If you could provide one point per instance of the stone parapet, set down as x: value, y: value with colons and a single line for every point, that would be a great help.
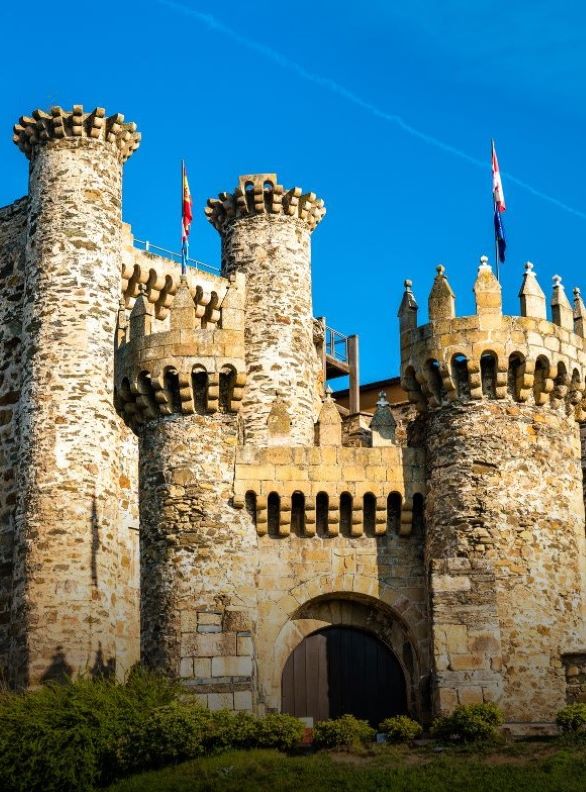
x: 194, y: 362
x: 259, y: 194
x: 488, y: 355
x: 158, y: 279
x: 58, y: 124
x: 360, y: 490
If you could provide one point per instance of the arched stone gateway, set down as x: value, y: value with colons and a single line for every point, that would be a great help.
x: 340, y: 670
x: 339, y: 631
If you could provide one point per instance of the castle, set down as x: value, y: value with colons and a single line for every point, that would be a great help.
x: 179, y: 488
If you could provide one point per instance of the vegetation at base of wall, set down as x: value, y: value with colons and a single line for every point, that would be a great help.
x: 572, y: 719
x: 344, y: 732
x: 68, y: 736
x: 400, y: 728
x: 535, y: 768
x: 470, y: 723
x: 77, y: 736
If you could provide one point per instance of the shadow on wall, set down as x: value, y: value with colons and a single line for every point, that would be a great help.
x: 60, y: 670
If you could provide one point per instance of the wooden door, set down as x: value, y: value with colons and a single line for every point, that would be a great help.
x: 341, y: 670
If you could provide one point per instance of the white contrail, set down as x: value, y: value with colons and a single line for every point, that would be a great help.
x: 331, y: 85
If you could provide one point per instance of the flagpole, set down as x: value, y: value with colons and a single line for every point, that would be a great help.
x: 494, y: 211
x: 183, y: 239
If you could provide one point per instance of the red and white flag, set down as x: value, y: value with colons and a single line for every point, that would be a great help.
x: 497, y: 185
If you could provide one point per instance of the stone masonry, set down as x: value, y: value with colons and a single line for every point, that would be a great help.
x: 180, y: 489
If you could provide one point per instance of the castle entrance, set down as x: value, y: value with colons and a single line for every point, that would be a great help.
x: 343, y: 670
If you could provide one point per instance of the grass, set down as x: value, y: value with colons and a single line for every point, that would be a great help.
x: 529, y: 767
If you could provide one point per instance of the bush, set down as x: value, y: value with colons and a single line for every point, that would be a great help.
x: 347, y: 732
x: 75, y: 736
x: 400, y: 728
x: 279, y: 731
x: 66, y: 737
x: 469, y: 723
x: 227, y: 729
x: 572, y: 718
x: 169, y: 735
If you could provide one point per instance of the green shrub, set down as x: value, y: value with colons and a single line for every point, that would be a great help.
x: 76, y: 736
x: 400, y: 728
x: 277, y: 730
x: 66, y: 737
x: 572, y: 718
x: 227, y: 729
x: 170, y: 734
x: 344, y: 732
x: 470, y: 722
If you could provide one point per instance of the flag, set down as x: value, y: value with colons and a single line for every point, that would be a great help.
x: 499, y: 234
x: 497, y: 185
x: 186, y: 216
x: 499, y: 206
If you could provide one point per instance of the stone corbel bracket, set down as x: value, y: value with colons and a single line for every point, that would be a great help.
x: 59, y: 124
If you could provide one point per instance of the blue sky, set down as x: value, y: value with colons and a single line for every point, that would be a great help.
x: 383, y: 109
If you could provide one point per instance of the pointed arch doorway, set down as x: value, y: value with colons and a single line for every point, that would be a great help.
x: 339, y: 670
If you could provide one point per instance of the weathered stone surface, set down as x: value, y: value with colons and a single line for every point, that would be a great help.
x: 67, y: 546
x: 452, y: 527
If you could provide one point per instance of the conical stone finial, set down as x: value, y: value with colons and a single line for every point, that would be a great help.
x: 408, y: 309
x: 562, y: 313
x: 329, y: 424
x: 487, y: 290
x: 279, y: 422
x: 579, y: 313
x: 383, y: 424
x: 531, y: 295
x: 182, y: 308
x: 141, y: 316
x: 442, y: 302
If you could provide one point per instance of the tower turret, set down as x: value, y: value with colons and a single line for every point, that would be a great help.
x: 64, y: 619
x: 179, y: 381
x: 504, y: 513
x: 265, y: 232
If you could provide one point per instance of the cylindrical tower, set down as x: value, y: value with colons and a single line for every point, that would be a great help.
x: 505, y: 549
x: 65, y: 570
x: 179, y: 386
x: 265, y: 234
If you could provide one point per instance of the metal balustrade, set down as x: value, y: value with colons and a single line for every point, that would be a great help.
x: 148, y: 247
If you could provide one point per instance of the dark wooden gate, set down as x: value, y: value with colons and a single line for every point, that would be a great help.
x: 341, y: 670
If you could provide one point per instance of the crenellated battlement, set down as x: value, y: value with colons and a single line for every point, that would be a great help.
x: 59, y: 124
x: 331, y: 491
x: 489, y: 355
x: 158, y: 279
x: 194, y: 362
x: 260, y: 194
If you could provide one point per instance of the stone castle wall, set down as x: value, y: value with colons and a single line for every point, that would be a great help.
x: 12, y: 252
x: 506, y: 496
x: 198, y: 558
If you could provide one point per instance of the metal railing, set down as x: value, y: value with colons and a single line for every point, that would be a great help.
x: 148, y: 247
x: 336, y: 345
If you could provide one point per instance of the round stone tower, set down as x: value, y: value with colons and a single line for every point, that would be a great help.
x: 65, y: 554
x: 265, y: 234
x: 505, y: 549
x: 179, y: 384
